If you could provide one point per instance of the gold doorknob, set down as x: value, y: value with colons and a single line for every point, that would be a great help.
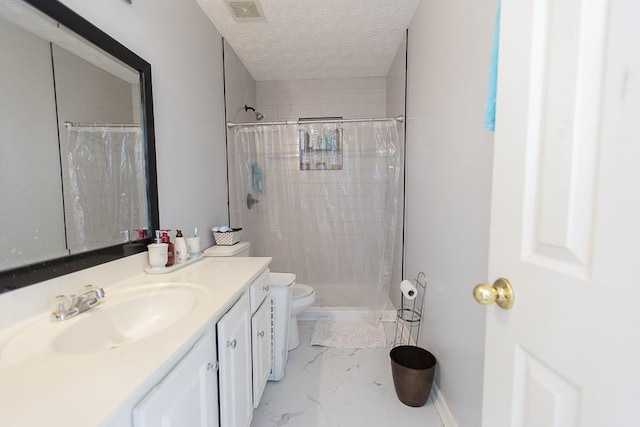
x: 500, y: 292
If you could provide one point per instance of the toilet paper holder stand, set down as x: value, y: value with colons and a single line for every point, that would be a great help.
x: 409, y: 315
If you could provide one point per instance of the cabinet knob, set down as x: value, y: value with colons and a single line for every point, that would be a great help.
x: 213, y: 366
x: 261, y: 334
x: 232, y: 343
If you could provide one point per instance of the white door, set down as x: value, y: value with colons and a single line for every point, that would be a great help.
x: 234, y: 353
x: 566, y: 217
x: 261, y: 341
x: 188, y: 395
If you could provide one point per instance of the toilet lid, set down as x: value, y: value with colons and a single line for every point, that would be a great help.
x: 224, y: 251
x: 301, y: 291
x: 281, y: 279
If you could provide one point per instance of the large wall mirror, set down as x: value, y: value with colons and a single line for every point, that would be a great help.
x: 77, y: 156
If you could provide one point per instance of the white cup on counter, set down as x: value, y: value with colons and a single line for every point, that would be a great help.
x: 193, y: 245
x: 158, y: 254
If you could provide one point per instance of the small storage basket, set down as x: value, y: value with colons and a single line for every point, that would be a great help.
x: 228, y: 238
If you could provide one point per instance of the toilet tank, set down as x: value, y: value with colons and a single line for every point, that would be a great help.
x: 239, y: 249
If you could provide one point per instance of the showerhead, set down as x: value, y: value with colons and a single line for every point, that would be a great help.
x: 259, y: 116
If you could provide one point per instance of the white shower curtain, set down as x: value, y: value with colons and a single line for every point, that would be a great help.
x: 328, y: 204
x: 105, y: 186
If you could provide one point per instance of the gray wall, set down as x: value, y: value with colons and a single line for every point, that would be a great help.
x: 396, y: 81
x: 185, y: 52
x: 449, y: 187
x: 240, y: 88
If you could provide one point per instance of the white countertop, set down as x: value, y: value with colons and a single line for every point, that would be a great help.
x: 100, y: 388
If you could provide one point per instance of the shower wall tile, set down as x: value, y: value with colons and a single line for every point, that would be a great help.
x: 376, y: 95
x: 267, y: 99
x: 269, y: 111
x: 374, y: 83
x: 331, y: 96
x: 339, y: 83
x: 349, y: 98
x: 267, y: 86
x: 348, y: 83
x: 297, y: 85
x: 375, y: 110
x: 346, y: 110
x: 287, y: 97
x: 348, y: 223
x: 362, y: 228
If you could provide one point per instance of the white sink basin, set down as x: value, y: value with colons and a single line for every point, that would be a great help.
x: 110, y: 326
x: 121, y: 318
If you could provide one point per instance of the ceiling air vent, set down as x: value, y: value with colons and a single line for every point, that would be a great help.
x: 245, y: 10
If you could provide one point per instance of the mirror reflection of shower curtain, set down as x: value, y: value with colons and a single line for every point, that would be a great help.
x: 335, y: 229
x: 105, y: 187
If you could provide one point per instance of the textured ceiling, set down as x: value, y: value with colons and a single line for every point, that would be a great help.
x: 307, y: 39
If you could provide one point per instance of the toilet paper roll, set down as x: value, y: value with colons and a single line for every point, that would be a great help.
x: 408, y: 290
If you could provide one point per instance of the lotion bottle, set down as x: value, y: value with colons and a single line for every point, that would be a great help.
x: 181, y: 248
x: 171, y: 253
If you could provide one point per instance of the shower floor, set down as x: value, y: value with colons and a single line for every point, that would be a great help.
x: 343, y: 302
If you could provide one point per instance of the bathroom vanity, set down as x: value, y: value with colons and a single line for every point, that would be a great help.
x: 184, y: 348
x: 190, y: 347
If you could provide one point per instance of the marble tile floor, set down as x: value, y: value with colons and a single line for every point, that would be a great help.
x: 332, y: 387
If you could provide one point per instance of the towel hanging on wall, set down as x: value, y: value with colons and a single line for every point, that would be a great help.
x: 256, y: 177
x: 490, y: 109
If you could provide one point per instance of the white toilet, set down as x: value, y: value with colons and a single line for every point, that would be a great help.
x: 303, y: 297
x: 239, y: 249
x: 281, y: 293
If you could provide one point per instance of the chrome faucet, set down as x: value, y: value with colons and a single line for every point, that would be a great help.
x: 67, y: 306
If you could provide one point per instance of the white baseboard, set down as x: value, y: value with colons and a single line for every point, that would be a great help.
x: 439, y: 401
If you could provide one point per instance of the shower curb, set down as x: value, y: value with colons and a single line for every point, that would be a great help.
x: 316, y: 313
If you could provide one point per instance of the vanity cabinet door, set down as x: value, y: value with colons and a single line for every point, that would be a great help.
x: 234, y: 345
x: 261, y: 349
x: 188, y: 395
x: 258, y: 290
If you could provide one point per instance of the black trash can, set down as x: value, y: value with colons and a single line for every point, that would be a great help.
x: 412, y: 369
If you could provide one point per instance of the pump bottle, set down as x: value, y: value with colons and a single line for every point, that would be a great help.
x: 181, y: 248
x: 171, y: 251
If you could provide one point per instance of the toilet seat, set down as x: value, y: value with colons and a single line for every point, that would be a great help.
x: 301, y: 291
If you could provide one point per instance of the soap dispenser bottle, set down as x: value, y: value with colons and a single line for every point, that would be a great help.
x: 170, y: 250
x: 181, y: 248
x: 158, y: 254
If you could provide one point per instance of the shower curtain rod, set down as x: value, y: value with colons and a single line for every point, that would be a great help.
x: 301, y: 122
x: 98, y: 125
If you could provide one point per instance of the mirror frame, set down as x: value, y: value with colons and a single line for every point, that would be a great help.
x: 40, y: 271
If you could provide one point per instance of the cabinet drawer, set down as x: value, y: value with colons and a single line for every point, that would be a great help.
x: 258, y: 290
